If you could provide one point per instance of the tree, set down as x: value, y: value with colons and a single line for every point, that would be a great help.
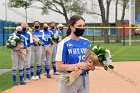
x: 20, y: 3
x: 105, y: 17
x: 137, y: 6
x: 124, y: 4
x: 116, y: 19
x: 63, y: 7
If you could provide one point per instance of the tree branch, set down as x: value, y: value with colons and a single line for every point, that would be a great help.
x: 57, y: 8
x: 89, y: 12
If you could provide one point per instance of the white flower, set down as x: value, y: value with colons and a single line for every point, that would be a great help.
x: 95, y: 47
x: 105, y: 63
x: 56, y: 36
x: 7, y: 43
x: 60, y: 38
x: 13, y: 43
x: 108, y: 55
x: 10, y: 37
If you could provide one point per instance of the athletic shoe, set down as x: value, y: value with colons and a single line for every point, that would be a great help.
x: 45, y: 74
x: 57, y: 73
x: 37, y: 77
x: 15, y: 83
x: 33, y: 78
x: 26, y: 80
x: 49, y: 76
x: 22, y: 83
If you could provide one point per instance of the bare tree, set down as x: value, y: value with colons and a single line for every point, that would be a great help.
x: 116, y: 19
x: 124, y: 4
x: 105, y: 17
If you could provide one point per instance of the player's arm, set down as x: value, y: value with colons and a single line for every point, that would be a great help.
x: 61, y: 67
x: 31, y: 38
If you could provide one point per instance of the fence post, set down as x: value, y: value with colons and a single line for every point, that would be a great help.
x: 123, y: 35
x: 3, y: 36
x: 93, y: 35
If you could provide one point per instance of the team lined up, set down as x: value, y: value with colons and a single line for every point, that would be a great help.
x: 42, y: 53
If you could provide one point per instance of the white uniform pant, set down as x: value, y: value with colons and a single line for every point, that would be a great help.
x: 36, y: 52
x: 17, y: 61
x: 28, y: 58
x: 46, y: 54
x: 75, y: 87
x: 54, y: 47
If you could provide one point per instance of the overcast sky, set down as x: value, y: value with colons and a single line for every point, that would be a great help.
x: 18, y: 15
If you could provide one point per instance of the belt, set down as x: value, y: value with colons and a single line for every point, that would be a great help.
x: 84, y: 73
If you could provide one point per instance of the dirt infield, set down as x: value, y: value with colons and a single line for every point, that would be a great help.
x: 125, y: 78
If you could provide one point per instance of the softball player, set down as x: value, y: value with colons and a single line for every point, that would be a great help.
x: 29, y: 40
x: 17, y: 60
x: 60, y: 29
x: 71, y: 54
x: 53, y: 29
x: 36, y: 51
x: 46, y: 53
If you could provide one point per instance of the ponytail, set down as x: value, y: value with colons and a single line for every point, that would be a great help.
x: 68, y: 31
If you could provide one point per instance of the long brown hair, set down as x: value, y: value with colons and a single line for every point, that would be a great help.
x: 72, y: 22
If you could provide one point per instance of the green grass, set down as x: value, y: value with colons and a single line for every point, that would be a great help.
x: 118, y: 51
x: 122, y: 53
x: 5, y: 57
x: 6, y: 81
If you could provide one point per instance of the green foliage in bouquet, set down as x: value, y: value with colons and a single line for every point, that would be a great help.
x: 56, y: 38
x: 13, y: 42
x: 103, y: 55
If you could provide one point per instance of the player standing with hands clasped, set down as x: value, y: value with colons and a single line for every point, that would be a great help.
x: 17, y: 60
x: 71, y: 54
x: 36, y: 51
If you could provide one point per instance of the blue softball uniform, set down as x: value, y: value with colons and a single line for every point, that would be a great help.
x: 28, y: 38
x: 72, y: 51
x: 23, y: 39
x: 39, y: 34
x: 47, y: 36
x: 53, y: 31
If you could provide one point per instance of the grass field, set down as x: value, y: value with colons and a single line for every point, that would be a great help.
x: 5, y: 57
x: 118, y: 51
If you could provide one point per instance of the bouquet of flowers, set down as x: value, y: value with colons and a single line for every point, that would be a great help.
x: 14, y: 42
x: 99, y: 56
x: 36, y: 40
x: 56, y: 38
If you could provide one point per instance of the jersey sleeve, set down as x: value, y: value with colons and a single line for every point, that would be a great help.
x: 61, y: 53
x: 31, y: 38
x: 24, y: 43
x: 43, y: 37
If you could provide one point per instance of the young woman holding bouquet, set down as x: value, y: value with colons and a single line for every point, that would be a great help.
x: 36, y: 50
x: 17, y: 60
x: 71, y: 55
x: 46, y: 50
x: 29, y: 40
x: 54, y: 31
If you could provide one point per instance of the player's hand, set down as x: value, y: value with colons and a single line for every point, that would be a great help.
x: 83, y: 65
x: 19, y: 47
x: 90, y: 65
